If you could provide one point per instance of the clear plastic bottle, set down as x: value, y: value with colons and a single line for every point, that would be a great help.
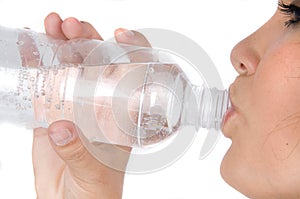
x: 119, y: 94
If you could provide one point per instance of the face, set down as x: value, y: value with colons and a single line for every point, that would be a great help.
x: 264, y: 158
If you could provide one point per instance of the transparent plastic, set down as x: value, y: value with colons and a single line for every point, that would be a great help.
x: 119, y: 94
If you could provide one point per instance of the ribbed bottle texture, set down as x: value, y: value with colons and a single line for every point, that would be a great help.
x: 100, y: 87
x: 213, y: 104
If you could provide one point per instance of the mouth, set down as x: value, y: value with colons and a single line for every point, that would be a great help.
x: 232, y: 111
x: 229, y: 113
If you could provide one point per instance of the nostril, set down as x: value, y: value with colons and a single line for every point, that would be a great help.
x: 242, y: 69
x: 245, y: 56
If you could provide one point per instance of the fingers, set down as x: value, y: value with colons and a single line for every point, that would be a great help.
x: 53, y: 24
x: 131, y: 37
x: 70, y: 28
x: 136, y: 39
x: 74, y: 29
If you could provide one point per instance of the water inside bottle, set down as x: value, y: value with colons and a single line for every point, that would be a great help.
x: 15, y: 101
x: 126, y: 104
x: 132, y: 102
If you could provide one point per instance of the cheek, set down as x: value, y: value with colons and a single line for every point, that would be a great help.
x: 284, y: 139
x: 276, y: 99
x: 276, y: 87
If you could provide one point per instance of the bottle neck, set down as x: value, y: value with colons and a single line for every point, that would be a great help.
x: 212, y: 106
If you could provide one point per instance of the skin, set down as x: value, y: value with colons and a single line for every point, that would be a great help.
x: 263, y: 160
x: 63, y: 167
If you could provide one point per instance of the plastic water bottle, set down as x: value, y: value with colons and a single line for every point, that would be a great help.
x: 119, y: 94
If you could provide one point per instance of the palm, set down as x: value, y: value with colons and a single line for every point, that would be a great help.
x: 52, y: 176
x: 49, y: 169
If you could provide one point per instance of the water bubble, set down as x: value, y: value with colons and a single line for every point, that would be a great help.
x: 36, y: 53
x: 43, y: 92
x: 62, y: 67
x: 25, y: 76
x: 36, y: 94
x: 19, y: 43
x: 151, y: 70
x: 18, y: 105
x: 57, y: 106
x: 55, y: 71
x: 43, y: 44
x: 32, y: 79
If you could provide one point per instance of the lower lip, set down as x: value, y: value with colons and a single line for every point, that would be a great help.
x: 229, y: 113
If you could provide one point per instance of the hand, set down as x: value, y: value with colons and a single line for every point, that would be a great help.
x: 63, y: 167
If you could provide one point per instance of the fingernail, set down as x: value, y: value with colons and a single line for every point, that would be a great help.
x: 125, y: 32
x: 61, y: 137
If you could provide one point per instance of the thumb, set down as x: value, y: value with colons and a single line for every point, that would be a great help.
x: 65, y: 141
x: 85, y: 170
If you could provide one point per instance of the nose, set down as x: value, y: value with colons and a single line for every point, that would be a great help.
x: 244, y: 56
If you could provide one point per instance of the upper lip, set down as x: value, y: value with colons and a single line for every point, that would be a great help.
x: 231, y: 98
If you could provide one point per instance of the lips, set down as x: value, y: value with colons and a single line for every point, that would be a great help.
x: 228, y: 115
x: 232, y: 110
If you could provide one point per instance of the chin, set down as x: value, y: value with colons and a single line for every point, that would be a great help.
x: 237, y: 173
x: 233, y: 174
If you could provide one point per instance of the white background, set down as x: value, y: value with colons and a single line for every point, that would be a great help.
x: 215, y: 25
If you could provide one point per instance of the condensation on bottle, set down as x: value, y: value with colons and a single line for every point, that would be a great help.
x: 102, y: 89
